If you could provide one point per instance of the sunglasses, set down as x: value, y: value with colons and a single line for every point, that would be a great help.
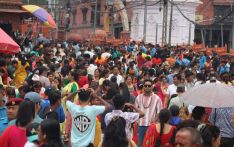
x: 147, y: 85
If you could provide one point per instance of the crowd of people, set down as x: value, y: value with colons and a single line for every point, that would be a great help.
x: 83, y: 95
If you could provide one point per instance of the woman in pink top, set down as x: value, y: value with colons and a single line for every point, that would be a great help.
x: 15, y: 135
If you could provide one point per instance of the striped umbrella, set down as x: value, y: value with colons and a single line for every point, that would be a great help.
x: 41, y: 14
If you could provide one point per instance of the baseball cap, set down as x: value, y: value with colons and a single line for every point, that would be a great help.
x: 14, y: 101
x: 32, y: 96
x: 48, y: 89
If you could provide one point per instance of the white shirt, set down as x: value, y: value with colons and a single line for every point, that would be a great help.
x: 90, y: 53
x: 105, y: 55
x: 171, y: 89
x: 177, y: 101
x: 30, y: 144
x: 91, y: 69
x: 119, y: 78
x: 150, y: 105
x: 130, y: 118
x: 83, y: 123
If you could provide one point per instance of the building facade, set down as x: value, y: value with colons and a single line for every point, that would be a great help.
x: 216, y: 23
x: 181, y: 32
x: 11, y: 15
x: 108, y: 16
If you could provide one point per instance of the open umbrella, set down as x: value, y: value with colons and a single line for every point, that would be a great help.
x: 7, y: 44
x: 213, y: 95
x: 42, y: 40
x: 41, y: 14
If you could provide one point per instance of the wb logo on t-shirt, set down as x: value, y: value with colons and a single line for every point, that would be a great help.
x: 82, y: 123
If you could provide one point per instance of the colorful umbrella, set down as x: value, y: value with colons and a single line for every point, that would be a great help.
x: 41, y: 14
x: 7, y: 44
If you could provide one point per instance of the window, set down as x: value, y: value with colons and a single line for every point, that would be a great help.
x: 74, y: 17
x: 93, y: 14
x: 84, y: 12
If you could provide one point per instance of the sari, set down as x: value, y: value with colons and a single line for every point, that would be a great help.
x: 152, y: 135
x: 20, y: 74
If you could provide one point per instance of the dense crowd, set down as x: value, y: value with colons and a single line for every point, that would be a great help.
x: 81, y: 95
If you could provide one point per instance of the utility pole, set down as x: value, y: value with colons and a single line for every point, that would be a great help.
x: 156, y: 34
x: 221, y: 34
x: 95, y: 19
x: 145, y: 20
x: 170, y: 29
x: 164, y: 27
x: 203, y: 39
x: 189, y: 40
x: 232, y: 32
x: 112, y: 21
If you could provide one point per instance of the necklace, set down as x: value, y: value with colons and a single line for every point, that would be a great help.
x: 146, y: 107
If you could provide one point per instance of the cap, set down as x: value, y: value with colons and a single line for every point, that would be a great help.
x: 32, y: 96
x: 14, y: 101
x: 31, y: 132
x: 48, y: 89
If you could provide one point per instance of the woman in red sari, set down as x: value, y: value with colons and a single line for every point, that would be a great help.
x: 159, y: 134
x: 161, y: 86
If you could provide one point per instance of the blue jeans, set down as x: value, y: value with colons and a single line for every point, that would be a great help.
x: 141, y: 134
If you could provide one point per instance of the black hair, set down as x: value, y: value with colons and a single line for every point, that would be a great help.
x: 106, y: 83
x: 119, y: 101
x: 148, y: 80
x: 164, y: 116
x: 111, y: 93
x: 103, y: 73
x: 74, y: 74
x: 198, y: 112
x: 50, y: 73
x: 124, y: 91
x: 54, y: 96
x: 2, y: 62
x: 115, y: 66
x: 208, y: 133
x: 42, y: 69
x: 113, y: 79
x: 37, y: 84
x: 180, y: 89
x: 115, y: 134
x: 178, y: 76
x: 201, y: 77
x: 65, y: 71
x: 14, y: 62
x: 51, y: 129
x: 174, y: 110
x: 24, y: 88
x: 10, y: 92
x: 84, y: 95
x: 26, y: 113
x: 215, y: 131
x: 188, y: 74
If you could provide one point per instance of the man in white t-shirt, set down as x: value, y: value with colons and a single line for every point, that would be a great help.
x: 172, y: 88
x: 84, y: 117
x: 115, y: 72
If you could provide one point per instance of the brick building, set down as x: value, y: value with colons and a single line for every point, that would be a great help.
x: 11, y: 15
x: 82, y: 17
x: 216, y: 19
